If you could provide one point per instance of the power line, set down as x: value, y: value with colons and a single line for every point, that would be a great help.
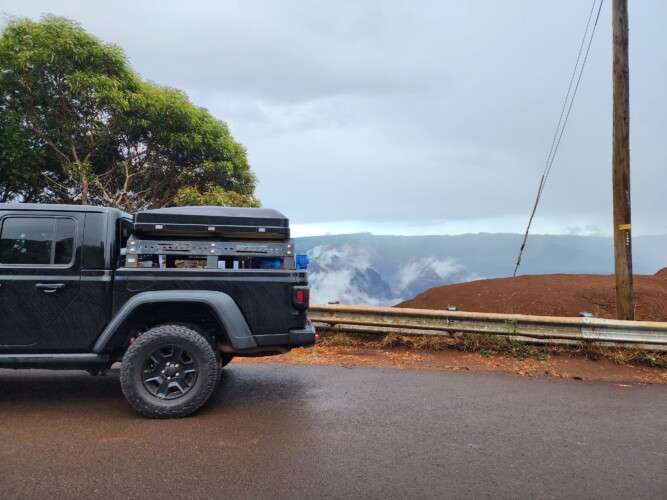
x: 566, y: 108
x: 576, y: 87
x: 569, y: 85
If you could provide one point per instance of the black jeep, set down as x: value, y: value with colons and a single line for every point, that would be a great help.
x: 173, y: 294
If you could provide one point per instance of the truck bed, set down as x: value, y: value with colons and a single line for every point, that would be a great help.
x: 264, y: 296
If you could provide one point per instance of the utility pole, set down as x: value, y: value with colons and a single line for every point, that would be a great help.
x: 625, y: 303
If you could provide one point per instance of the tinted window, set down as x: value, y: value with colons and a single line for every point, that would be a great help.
x: 64, y: 240
x: 38, y: 241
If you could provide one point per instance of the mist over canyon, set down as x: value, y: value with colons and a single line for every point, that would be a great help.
x: 385, y: 270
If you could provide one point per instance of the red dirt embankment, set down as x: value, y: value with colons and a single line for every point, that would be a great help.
x: 548, y: 295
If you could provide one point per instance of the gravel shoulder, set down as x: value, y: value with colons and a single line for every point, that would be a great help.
x: 563, y: 366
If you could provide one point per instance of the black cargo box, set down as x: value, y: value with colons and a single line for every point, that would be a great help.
x: 226, y: 222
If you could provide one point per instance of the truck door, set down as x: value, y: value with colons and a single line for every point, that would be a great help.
x: 39, y: 279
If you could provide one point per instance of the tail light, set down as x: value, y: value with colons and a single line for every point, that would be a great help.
x: 301, y: 297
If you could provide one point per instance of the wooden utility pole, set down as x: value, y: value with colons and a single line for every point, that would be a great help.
x: 625, y: 302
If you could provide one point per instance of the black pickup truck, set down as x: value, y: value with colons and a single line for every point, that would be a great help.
x: 172, y: 294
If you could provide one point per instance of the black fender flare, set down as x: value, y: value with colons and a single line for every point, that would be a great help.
x: 222, y: 305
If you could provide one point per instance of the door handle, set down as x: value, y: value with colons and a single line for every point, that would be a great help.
x: 50, y: 287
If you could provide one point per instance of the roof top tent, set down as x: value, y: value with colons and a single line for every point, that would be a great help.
x: 218, y: 222
x: 211, y: 237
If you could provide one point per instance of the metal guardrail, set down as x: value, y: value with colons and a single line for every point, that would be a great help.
x: 544, y: 329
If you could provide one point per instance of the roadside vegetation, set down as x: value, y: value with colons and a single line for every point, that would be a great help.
x: 495, y: 345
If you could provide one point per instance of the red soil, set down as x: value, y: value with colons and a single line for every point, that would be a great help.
x: 548, y: 295
x: 560, y: 366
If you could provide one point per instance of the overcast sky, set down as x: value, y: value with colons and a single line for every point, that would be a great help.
x: 408, y: 117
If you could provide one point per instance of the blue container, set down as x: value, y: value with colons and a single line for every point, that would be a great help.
x: 301, y: 261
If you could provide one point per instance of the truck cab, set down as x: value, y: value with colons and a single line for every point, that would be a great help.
x: 83, y: 287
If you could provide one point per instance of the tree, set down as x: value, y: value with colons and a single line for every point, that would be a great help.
x: 214, y: 195
x: 26, y: 166
x: 84, y: 128
x: 69, y: 88
x: 169, y: 145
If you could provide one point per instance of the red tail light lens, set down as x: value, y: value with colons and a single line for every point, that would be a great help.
x: 301, y: 297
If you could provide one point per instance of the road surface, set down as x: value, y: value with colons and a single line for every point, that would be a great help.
x: 283, y: 431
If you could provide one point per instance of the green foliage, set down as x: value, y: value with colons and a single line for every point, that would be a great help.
x: 22, y: 159
x: 66, y: 86
x: 214, y: 195
x: 85, y: 128
x: 170, y: 145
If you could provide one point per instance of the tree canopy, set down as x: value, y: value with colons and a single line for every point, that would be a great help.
x: 78, y: 125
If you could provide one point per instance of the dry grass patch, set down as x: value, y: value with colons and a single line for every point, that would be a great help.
x: 627, y: 356
x: 494, y: 345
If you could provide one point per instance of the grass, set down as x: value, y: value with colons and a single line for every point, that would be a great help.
x: 495, y: 345
x: 627, y: 356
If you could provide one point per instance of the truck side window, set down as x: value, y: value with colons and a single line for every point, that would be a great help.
x: 124, y: 231
x: 64, y: 241
x: 38, y: 240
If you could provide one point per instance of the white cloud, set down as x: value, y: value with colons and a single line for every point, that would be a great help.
x: 341, y: 274
x: 442, y: 268
x: 348, y: 274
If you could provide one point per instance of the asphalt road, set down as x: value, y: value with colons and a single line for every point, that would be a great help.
x: 279, y: 431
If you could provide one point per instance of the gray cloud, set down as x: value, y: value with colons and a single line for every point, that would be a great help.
x: 406, y: 111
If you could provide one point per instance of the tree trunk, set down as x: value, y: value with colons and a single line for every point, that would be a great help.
x: 84, y: 189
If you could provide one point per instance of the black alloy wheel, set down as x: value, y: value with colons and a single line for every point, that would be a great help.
x: 170, y: 372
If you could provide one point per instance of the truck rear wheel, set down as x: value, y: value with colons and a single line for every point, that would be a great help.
x: 169, y: 372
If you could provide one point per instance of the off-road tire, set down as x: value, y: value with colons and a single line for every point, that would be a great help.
x: 225, y: 359
x: 139, y: 353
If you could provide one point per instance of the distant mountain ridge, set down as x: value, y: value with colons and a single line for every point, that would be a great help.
x: 363, y: 268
